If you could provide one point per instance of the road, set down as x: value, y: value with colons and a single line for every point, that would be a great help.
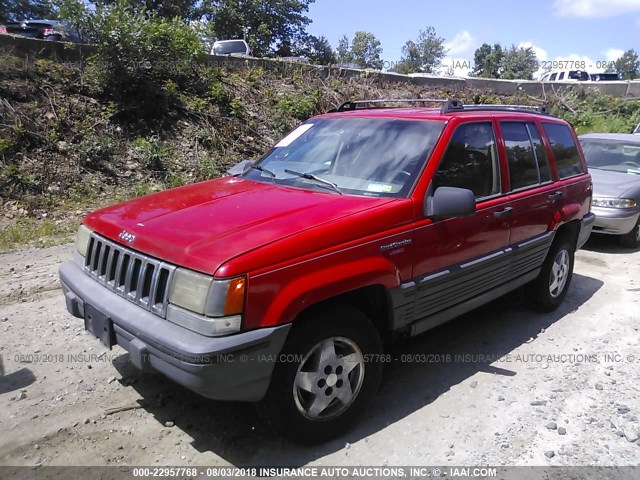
x: 500, y: 386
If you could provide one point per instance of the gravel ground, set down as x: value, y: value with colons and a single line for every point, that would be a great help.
x: 500, y: 386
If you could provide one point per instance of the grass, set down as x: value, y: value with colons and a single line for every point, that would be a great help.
x: 35, y: 232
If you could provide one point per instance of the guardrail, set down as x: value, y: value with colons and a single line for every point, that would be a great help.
x: 71, y: 53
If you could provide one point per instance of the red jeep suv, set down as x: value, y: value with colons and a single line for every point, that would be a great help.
x: 280, y: 283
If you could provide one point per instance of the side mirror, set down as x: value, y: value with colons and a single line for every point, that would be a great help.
x: 449, y: 202
x: 239, y: 167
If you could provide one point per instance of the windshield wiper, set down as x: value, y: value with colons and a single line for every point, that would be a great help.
x: 311, y: 176
x: 263, y: 170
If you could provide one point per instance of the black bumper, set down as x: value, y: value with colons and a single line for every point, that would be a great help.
x: 235, y: 367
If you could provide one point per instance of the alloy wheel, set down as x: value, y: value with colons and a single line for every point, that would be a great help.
x: 329, y: 378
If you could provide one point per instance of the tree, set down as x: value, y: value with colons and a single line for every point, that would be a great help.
x: 269, y: 27
x: 343, y: 52
x: 423, y: 55
x: 497, y: 62
x: 365, y: 50
x: 628, y: 65
x: 488, y: 61
x: 26, y: 10
x: 317, y: 49
x: 519, y: 63
x: 185, y: 9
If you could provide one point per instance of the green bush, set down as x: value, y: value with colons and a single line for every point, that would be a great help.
x: 152, y: 154
x: 291, y: 108
x: 15, y: 183
x: 142, y: 60
x: 208, y: 168
x: 596, y: 112
x: 5, y: 146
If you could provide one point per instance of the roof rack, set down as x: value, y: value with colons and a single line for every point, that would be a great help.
x: 457, y: 106
x: 450, y: 106
x: 378, y: 103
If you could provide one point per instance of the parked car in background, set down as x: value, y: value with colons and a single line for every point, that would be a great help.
x: 231, y: 47
x: 566, y: 76
x: 606, y: 77
x: 52, y: 30
x: 614, y: 162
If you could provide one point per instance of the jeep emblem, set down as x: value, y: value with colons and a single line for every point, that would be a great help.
x: 126, y: 236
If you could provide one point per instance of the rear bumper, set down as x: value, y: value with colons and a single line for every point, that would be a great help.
x: 615, y: 221
x: 235, y: 367
x: 586, y: 226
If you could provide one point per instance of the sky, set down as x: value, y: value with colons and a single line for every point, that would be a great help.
x: 596, y: 31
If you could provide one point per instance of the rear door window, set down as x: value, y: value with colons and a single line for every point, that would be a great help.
x: 564, y: 149
x: 528, y: 165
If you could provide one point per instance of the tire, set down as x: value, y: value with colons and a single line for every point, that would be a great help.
x: 318, y: 396
x: 53, y: 38
x: 631, y: 239
x: 551, y: 285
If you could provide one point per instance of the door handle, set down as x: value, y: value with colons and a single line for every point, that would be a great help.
x: 503, y: 213
x: 554, y: 195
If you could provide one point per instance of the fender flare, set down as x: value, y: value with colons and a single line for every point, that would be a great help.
x: 320, y: 285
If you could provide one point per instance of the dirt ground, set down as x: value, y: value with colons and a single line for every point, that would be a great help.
x: 500, y: 386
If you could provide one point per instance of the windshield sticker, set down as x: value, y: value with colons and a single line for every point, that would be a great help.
x: 289, y: 139
x: 379, y: 188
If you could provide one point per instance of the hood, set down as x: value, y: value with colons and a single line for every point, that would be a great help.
x: 202, y: 226
x: 614, y: 184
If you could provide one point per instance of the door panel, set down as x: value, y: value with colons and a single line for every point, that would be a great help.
x: 459, y: 258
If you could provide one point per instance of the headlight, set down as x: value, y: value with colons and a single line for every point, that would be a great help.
x: 82, y: 240
x: 610, y: 202
x: 216, y: 303
x: 206, y: 296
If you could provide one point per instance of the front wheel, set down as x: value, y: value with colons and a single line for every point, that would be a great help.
x: 631, y: 239
x: 552, y: 284
x: 331, y: 372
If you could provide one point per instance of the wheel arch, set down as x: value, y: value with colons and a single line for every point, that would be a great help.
x: 374, y: 301
x: 568, y: 231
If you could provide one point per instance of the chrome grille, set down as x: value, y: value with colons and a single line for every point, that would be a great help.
x: 140, y: 279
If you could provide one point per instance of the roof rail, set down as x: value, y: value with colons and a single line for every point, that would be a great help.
x: 451, y: 105
x: 378, y: 103
x: 457, y: 106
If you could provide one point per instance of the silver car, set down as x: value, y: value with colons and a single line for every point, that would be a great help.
x: 614, y: 164
x: 234, y: 48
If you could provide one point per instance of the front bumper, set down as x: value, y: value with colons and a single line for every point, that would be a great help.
x: 615, y: 221
x: 234, y: 367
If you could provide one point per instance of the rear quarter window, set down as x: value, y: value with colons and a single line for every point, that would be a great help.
x: 564, y: 150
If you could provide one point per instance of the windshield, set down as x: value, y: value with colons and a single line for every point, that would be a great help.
x: 617, y: 156
x: 227, y: 48
x: 361, y: 156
